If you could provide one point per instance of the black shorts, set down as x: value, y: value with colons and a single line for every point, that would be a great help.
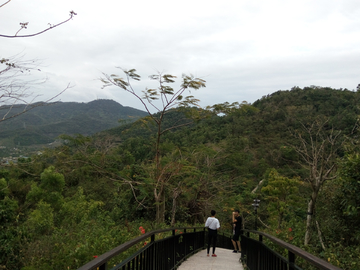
x: 236, y: 237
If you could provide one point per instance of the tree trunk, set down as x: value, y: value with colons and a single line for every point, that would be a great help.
x: 157, y: 205
x: 160, y: 202
x: 158, y: 220
x: 310, y: 212
x: 176, y: 193
x: 320, y: 236
x: 162, y: 208
x: 173, y: 211
x: 160, y: 205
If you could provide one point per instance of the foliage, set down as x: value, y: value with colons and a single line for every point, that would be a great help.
x: 282, y: 194
x: 82, y: 230
x: 90, y: 194
x: 49, y: 190
x: 10, y: 235
x: 350, y: 190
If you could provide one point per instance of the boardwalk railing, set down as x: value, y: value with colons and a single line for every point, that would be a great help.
x: 257, y: 256
x: 162, y: 254
x: 176, y: 244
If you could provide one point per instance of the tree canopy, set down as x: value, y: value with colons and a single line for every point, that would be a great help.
x: 63, y: 199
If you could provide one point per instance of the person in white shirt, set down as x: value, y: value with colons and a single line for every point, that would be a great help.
x: 213, y: 226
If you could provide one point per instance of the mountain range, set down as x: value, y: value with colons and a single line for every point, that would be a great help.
x: 45, y: 123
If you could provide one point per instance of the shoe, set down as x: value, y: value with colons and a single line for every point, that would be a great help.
x: 214, y: 255
x: 235, y: 251
x: 207, y: 255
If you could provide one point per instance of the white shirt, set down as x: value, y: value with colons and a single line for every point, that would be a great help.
x: 212, y: 223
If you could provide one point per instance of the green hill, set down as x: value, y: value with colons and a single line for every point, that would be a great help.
x: 45, y: 123
x: 253, y: 135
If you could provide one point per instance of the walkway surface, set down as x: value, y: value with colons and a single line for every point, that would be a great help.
x: 225, y: 260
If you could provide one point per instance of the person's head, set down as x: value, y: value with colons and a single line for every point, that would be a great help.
x: 237, y: 212
x: 213, y: 213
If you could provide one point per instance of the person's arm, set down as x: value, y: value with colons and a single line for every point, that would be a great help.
x: 233, y: 217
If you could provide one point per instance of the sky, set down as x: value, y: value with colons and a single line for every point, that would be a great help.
x: 243, y: 49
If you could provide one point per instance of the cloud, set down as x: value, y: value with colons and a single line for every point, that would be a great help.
x: 243, y: 49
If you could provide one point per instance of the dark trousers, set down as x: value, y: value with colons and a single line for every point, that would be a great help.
x: 212, y: 236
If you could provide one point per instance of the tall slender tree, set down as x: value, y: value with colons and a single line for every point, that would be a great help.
x: 169, y: 99
x: 318, y: 149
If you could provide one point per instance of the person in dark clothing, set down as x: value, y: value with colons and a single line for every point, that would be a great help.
x: 237, y: 223
x: 213, y: 226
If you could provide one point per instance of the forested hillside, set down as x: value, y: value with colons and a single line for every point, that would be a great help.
x: 44, y: 123
x: 295, y: 150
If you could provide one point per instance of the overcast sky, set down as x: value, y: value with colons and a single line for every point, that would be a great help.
x: 243, y: 49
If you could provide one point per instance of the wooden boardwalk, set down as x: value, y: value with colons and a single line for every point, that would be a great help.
x: 225, y: 260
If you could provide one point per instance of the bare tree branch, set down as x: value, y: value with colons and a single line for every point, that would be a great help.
x: 24, y: 26
x: 32, y: 106
x: 15, y: 86
x: 4, y: 4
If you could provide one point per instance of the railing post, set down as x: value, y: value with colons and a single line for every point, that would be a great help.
x: 260, y: 257
x: 291, y: 257
x: 204, y: 233
x: 103, y: 267
x: 173, y: 248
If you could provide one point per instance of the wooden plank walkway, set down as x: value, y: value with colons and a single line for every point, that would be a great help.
x: 225, y: 260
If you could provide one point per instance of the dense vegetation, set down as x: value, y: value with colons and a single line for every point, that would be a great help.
x: 44, y: 123
x: 61, y: 208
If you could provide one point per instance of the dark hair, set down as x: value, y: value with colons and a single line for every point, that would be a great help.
x: 237, y: 211
x: 213, y: 212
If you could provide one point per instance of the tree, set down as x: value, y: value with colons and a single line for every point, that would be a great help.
x: 281, y: 193
x: 318, y: 149
x: 347, y: 196
x: 14, y: 87
x: 170, y: 98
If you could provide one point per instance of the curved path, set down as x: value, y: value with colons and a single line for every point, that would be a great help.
x: 225, y: 260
